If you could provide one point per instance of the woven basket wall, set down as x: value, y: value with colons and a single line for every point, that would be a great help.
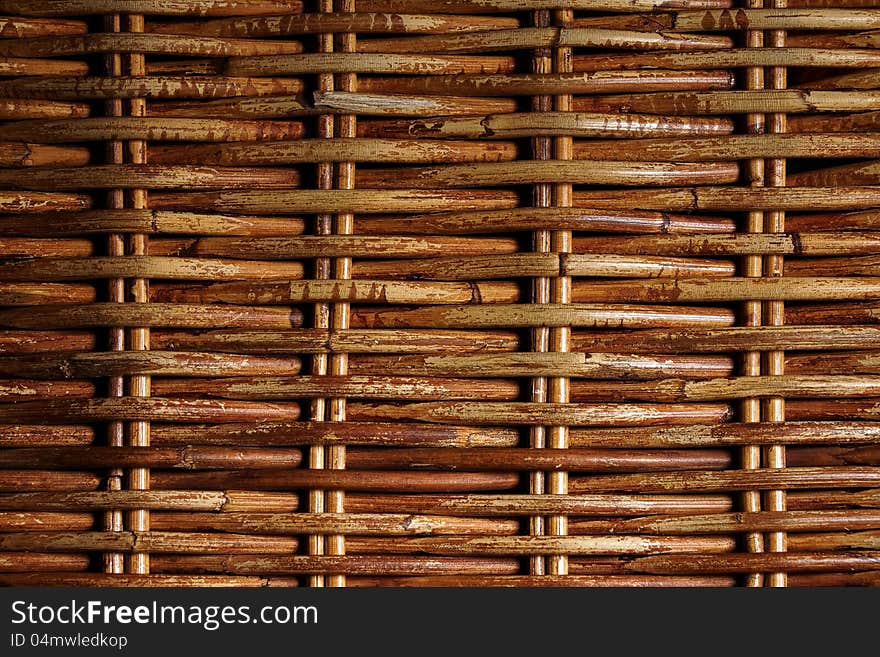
x: 439, y: 292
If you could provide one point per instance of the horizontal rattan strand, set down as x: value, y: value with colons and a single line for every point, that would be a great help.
x: 185, y: 458
x: 289, y: 24
x: 43, y: 562
x: 842, y: 313
x: 457, y: 505
x: 73, y: 411
x: 536, y: 413
x: 524, y: 124
x: 21, y: 66
x: 691, y: 290
x: 148, y: 222
x: 99, y: 88
x: 540, y: 581
x: 28, y: 108
x: 362, y: 564
x: 180, y: 363
x: 844, y: 409
x: 17, y: 155
x: 512, y: 84
x: 354, y: 150
x: 863, y: 173
x: 410, y: 64
x: 157, y: 314
x: 863, y: 79
x: 24, y: 247
x: 866, y: 578
x: 291, y: 247
x: 223, y: 131
x: 366, y: 289
x: 40, y: 202
x: 363, y: 387
x: 499, y: 316
x: 158, y: 581
x: 367, y: 201
x: 282, y: 434
x: 620, y: 220
x: 377, y: 524
x: 663, y: 174
x: 32, y: 342
x: 733, y: 198
x: 189, y: 177
x: 14, y: 481
x: 166, y: 7
x: 19, y: 27
x: 720, y: 340
x: 189, y: 500
x: 813, y: 243
x: 49, y: 521
x: 450, y: 342
x: 18, y: 435
x: 262, y: 317
x: 731, y: 480
x: 155, y: 362
x: 491, y: 459
x: 284, y: 480
x: 526, y: 545
x: 526, y: 38
x: 141, y: 176
x: 159, y: 44
x: 846, y: 16
x: 158, y: 267
x: 495, y: 6
x: 858, y: 122
x: 147, y: 541
x: 730, y: 435
x: 159, y: 222
x: 745, y: 563
x: 733, y: 58
x: 855, y: 266
x: 736, y: 147
x: 866, y: 39
x: 147, y: 128
x: 576, y: 365
x: 35, y: 294
x: 363, y: 480
x: 788, y: 521
x: 790, y: 101
x: 334, y: 102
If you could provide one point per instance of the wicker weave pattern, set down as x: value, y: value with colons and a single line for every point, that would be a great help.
x: 439, y: 292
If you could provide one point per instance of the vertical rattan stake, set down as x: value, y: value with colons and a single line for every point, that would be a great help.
x: 753, y: 268
x: 774, y: 408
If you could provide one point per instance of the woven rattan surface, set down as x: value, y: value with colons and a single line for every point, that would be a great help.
x: 439, y: 292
